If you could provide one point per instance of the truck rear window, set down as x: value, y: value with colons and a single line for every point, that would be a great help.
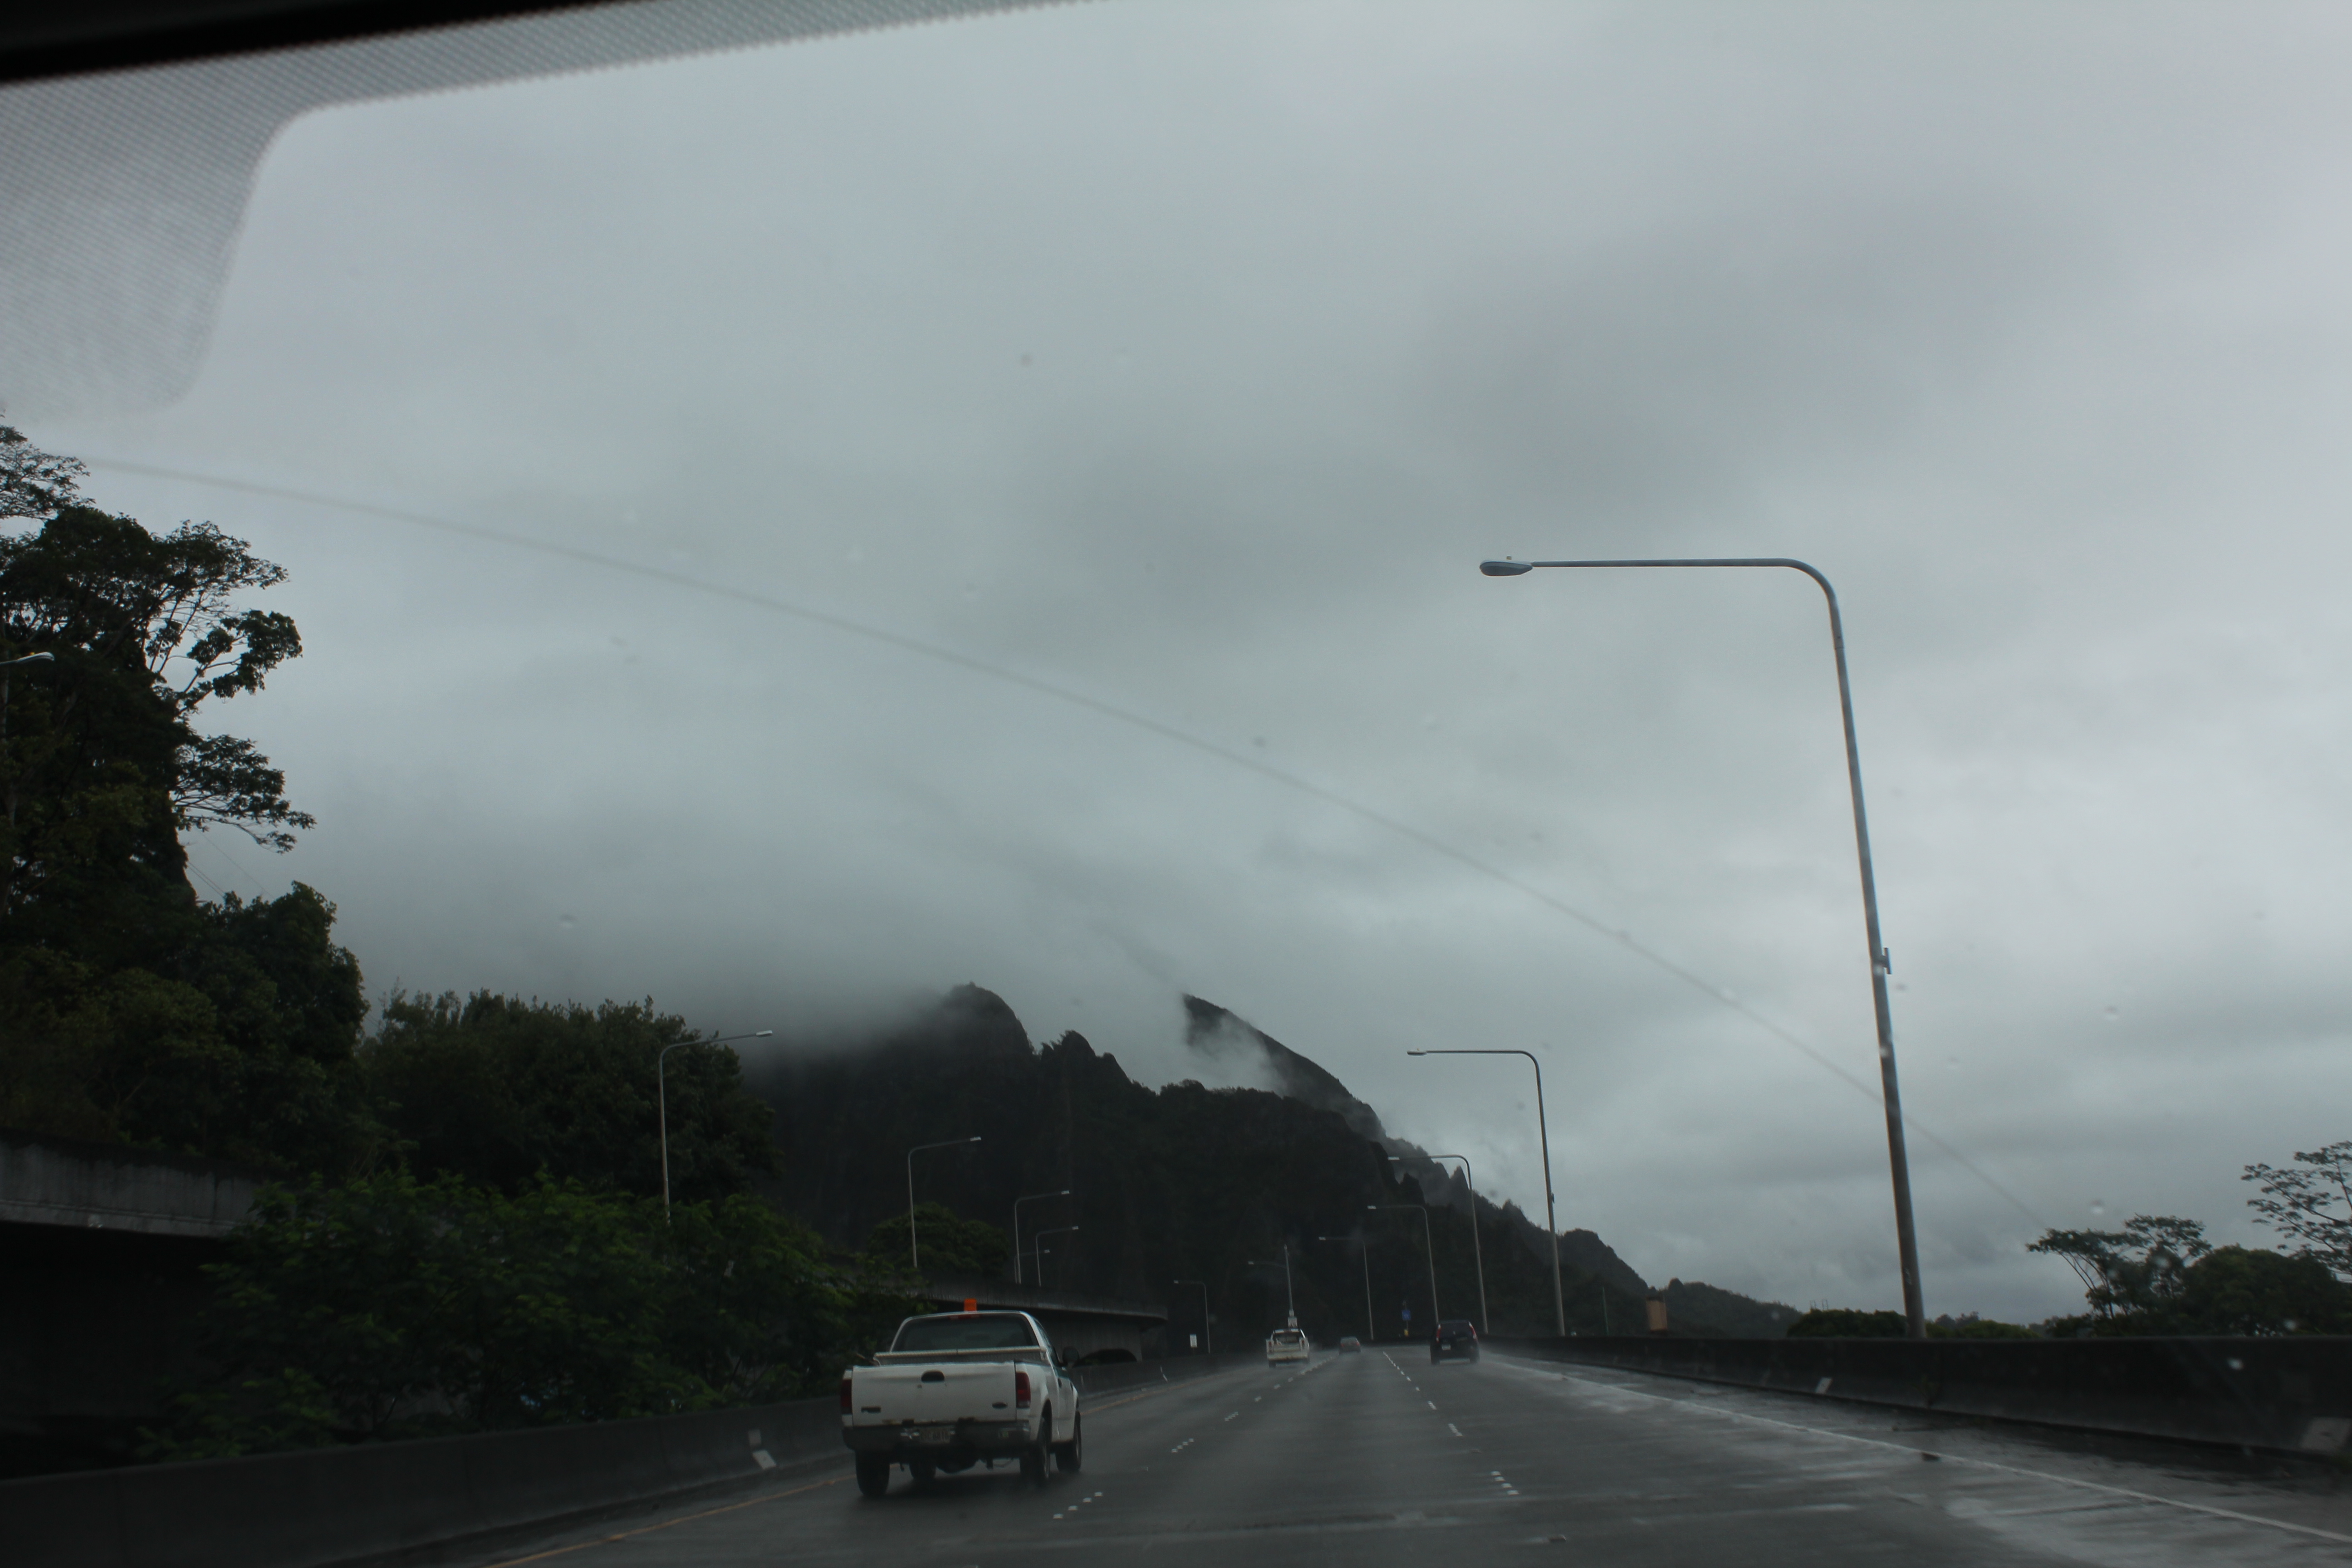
x: 974, y: 1331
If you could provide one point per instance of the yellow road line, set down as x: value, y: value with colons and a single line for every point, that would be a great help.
x: 665, y: 1524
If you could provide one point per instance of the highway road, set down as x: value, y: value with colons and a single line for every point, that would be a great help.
x: 1382, y: 1459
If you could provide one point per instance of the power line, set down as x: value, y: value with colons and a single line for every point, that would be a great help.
x: 1095, y: 705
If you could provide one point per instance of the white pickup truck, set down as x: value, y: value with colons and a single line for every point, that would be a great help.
x: 956, y: 1389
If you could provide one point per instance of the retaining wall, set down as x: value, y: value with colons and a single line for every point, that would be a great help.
x: 381, y: 1501
x: 2290, y: 1394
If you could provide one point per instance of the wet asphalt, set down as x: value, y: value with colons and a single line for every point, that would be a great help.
x: 1380, y: 1457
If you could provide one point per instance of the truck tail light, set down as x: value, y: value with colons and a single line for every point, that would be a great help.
x: 1021, y: 1390
x: 844, y: 1394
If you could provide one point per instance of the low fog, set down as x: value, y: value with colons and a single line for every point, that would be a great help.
x: 789, y: 531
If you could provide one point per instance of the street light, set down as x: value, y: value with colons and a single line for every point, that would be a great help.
x: 1906, y: 1240
x: 1032, y: 1198
x: 1543, y: 1134
x: 1039, y: 1240
x: 1289, y: 1298
x: 914, y: 1252
x: 1476, y: 1250
x: 1372, y: 1325
x: 1429, y: 1249
x: 661, y: 1079
x: 1208, y: 1340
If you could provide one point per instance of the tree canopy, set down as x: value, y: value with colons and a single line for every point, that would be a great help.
x: 2159, y: 1275
x: 390, y: 1307
x: 2310, y: 1201
x: 952, y: 1246
x: 497, y: 1091
x: 129, y: 1009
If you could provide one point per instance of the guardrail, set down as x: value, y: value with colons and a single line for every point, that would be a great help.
x: 2286, y: 1394
x: 381, y: 1502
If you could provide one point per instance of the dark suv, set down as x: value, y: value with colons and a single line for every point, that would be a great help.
x: 1454, y: 1337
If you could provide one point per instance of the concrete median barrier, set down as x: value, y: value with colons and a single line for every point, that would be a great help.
x: 380, y: 1502
x: 2287, y: 1395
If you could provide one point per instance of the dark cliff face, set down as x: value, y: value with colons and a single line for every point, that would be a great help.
x: 1178, y: 1182
x: 1216, y: 1033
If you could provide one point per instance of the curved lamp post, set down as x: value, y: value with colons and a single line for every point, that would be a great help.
x: 1038, y: 1242
x: 1477, y: 1250
x: 1032, y: 1198
x: 1543, y: 1134
x: 661, y: 1090
x: 1289, y: 1297
x: 914, y: 1251
x: 1906, y: 1241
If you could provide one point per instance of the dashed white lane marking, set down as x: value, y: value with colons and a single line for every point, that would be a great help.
x: 1450, y: 1426
x: 1072, y: 1507
x: 1236, y: 1413
x: 1184, y: 1444
x: 1432, y: 1403
x: 1508, y: 1489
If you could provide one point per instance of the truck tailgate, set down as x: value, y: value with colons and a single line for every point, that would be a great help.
x: 894, y: 1396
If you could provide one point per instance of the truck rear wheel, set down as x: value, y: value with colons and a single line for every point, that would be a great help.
x: 1068, y: 1456
x: 873, y: 1474
x: 1033, y: 1457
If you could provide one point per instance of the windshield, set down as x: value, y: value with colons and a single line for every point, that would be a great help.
x: 985, y: 1332
x: 681, y: 680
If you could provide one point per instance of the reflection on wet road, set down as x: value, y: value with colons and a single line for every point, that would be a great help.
x: 1383, y: 1458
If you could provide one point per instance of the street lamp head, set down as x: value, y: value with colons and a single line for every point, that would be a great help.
x: 1416, y: 1053
x: 1505, y: 568
x: 761, y: 1034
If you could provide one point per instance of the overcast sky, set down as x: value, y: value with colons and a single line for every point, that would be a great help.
x: 1186, y: 360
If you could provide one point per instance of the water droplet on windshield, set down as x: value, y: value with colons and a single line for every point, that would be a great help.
x: 2098, y: 1207
x: 566, y: 921
x: 2112, y: 1014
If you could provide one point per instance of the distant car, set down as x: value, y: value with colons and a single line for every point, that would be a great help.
x: 1455, y: 1337
x: 1287, y: 1344
x: 1350, y: 1345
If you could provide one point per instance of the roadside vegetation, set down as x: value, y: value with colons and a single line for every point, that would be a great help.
x: 467, y: 1231
x: 2160, y: 1274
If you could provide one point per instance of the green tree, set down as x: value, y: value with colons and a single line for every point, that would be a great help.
x: 242, y: 1049
x: 2141, y: 1268
x: 2251, y: 1290
x: 129, y: 1010
x: 1847, y: 1323
x: 2313, y: 1203
x: 497, y: 1089
x: 953, y: 1247
x: 387, y: 1308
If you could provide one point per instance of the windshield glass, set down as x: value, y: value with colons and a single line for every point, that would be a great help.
x: 680, y: 679
x: 984, y: 1331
